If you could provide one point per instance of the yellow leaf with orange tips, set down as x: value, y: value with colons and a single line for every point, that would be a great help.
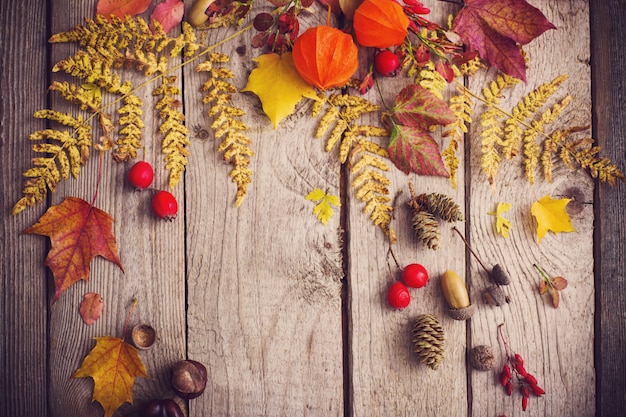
x: 278, y: 85
x: 551, y: 215
x: 113, y: 364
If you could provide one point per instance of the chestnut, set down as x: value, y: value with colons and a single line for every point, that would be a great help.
x: 160, y: 408
x: 189, y: 379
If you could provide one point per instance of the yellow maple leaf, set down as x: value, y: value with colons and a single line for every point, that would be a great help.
x: 502, y: 224
x: 113, y: 364
x: 323, y: 209
x: 278, y: 85
x: 551, y: 215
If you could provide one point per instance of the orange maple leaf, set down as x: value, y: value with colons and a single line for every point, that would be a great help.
x: 113, y: 364
x: 120, y: 8
x: 78, y: 233
x: 91, y: 308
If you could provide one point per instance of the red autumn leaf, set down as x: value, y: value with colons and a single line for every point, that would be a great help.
x: 168, y: 13
x: 91, y: 308
x: 120, y: 8
x: 543, y: 287
x: 494, y: 28
x: 417, y: 107
x: 555, y: 297
x: 78, y: 233
x: 414, y: 150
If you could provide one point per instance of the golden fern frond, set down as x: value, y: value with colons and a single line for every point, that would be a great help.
x: 525, y: 109
x: 531, y: 148
x: 64, y: 153
x: 176, y: 135
x: 491, y: 137
x: 366, y: 164
x: 462, y: 106
x: 493, y: 92
x: 131, y: 127
x: 429, y: 78
x: 226, y: 123
x: 471, y: 67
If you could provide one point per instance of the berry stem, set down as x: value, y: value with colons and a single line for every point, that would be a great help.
x: 132, y: 307
x: 98, y: 178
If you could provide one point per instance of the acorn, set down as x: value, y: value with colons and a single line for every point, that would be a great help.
x: 143, y: 336
x: 495, y: 296
x: 189, y: 379
x: 482, y: 358
x: 456, y: 295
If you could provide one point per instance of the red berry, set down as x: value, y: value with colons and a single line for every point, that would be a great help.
x: 386, y: 63
x: 537, y: 390
x: 524, y: 403
x: 398, y: 295
x: 141, y: 175
x: 164, y: 205
x: 415, y: 275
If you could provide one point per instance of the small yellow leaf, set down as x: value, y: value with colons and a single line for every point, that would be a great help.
x: 323, y: 209
x: 502, y: 225
x: 551, y: 215
x: 278, y: 85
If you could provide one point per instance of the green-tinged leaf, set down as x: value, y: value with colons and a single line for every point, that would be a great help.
x: 278, y: 85
x: 323, y: 209
x: 543, y: 287
x: 413, y: 150
x: 417, y: 107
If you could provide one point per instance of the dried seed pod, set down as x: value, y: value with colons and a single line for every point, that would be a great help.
x: 429, y: 340
x: 482, y: 358
x: 426, y: 228
x: 442, y: 206
x: 494, y: 295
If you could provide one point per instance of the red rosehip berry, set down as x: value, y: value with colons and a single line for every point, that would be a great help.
x: 141, y: 175
x: 415, y: 275
x: 164, y: 205
x: 518, y: 359
x: 398, y: 295
x: 519, y: 367
x: 386, y: 63
x: 524, y: 403
x: 537, y: 390
x: 509, y: 387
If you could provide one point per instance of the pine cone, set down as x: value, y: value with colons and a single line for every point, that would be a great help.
x: 442, y: 206
x: 426, y: 228
x: 428, y: 340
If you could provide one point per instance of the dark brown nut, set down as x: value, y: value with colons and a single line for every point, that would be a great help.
x: 189, y: 379
x: 499, y: 276
x: 160, y: 408
x: 143, y: 336
x: 482, y: 358
x: 495, y: 296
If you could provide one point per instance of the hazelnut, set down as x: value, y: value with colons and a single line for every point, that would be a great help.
x: 482, y: 358
x: 160, y: 408
x: 143, y: 336
x: 189, y: 379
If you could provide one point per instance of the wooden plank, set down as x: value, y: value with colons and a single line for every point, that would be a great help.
x: 264, y: 290
x: 151, y: 251
x: 555, y: 343
x: 23, y: 328
x: 609, y: 90
x: 386, y: 377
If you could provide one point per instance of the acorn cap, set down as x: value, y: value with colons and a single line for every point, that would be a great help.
x: 143, y: 336
x: 482, y: 358
x: 462, y: 314
x: 494, y: 295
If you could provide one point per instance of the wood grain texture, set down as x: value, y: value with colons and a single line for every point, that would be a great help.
x: 152, y: 252
x: 23, y: 291
x: 264, y: 290
x: 533, y: 327
x: 609, y: 92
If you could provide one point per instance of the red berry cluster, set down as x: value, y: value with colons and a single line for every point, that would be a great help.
x: 514, y: 366
x: 414, y: 276
x: 164, y: 204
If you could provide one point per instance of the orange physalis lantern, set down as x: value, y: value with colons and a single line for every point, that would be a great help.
x: 325, y: 57
x: 380, y: 23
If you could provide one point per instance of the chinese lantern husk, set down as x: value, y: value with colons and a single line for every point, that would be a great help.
x: 380, y: 23
x: 325, y: 57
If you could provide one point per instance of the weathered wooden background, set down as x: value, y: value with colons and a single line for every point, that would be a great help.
x: 290, y: 316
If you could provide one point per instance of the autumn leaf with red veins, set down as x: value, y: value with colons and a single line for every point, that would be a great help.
x: 78, y: 233
x: 495, y: 28
x: 168, y: 13
x: 411, y: 147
